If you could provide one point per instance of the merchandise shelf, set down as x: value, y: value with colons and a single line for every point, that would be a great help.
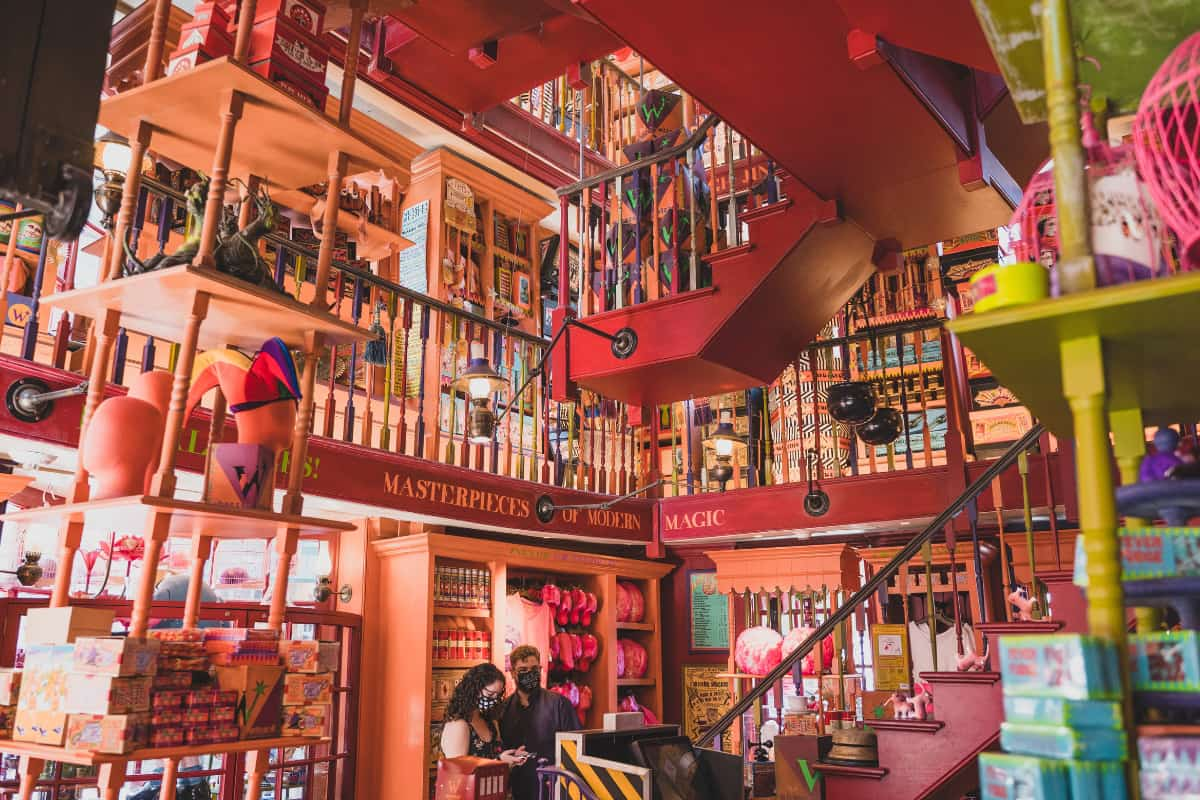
x: 348, y: 221
x: 1149, y: 330
x: 635, y: 681
x: 635, y: 626
x: 456, y: 663
x: 447, y: 611
x: 89, y: 758
x: 279, y: 139
x: 239, y: 314
x: 1127, y: 40
x: 187, y: 517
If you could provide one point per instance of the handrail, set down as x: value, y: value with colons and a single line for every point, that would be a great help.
x: 369, y: 277
x: 905, y: 555
x: 643, y: 163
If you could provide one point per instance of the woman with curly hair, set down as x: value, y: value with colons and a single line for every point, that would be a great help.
x: 471, y: 727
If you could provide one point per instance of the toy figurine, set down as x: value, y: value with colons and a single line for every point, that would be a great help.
x: 972, y: 662
x: 905, y: 707
x: 1024, y: 603
x: 1157, y: 466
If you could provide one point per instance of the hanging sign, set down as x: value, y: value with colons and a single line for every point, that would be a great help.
x: 709, y: 612
x: 460, y: 205
x: 706, y: 698
x: 890, y: 644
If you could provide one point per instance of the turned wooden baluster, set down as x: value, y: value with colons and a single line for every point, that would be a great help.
x: 350, y: 67
x: 406, y: 320
x: 231, y: 112
x: 245, y: 25
x: 419, y: 437
x: 293, y: 500
x: 152, y: 70
x: 163, y: 484
x: 336, y: 170
x: 352, y: 369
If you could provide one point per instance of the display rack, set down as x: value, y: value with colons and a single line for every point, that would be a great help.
x: 401, y: 574
x: 219, y: 114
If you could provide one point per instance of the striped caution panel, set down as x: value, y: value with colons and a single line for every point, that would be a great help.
x: 606, y: 778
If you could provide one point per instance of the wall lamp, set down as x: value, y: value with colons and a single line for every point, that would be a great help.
x: 481, y: 381
x: 723, y: 441
x: 545, y: 507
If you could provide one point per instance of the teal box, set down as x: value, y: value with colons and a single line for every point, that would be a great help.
x: 1097, y: 780
x: 1004, y: 776
x: 1165, y: 661
x: 1148, y: 553
x: 1068, y: 665
x: 1037, y: 710
x: 1059, y: 741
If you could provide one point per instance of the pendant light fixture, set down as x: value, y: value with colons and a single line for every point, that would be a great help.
x: 723, y: 441
x: 480, y: 381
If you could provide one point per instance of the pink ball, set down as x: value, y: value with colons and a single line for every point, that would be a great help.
x: 636, y: 600
x: 758, y: 650
x: 808, y: 664
x: 623, y: 603
x: 620, y: 659
x: 637, y: 661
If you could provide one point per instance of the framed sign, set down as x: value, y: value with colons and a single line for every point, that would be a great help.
x: 709, y: 612
x: 706, y: 698
x: 891, y: 656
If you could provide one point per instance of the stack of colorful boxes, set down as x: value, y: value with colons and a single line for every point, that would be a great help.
x: 187, y: 707
x: 108, y: 693
x: 1063, y: 727
x: 308, y: 686
x: 286, y: 48
x: 10, y: 688
x: 208, y: 36
x: 247, y: 664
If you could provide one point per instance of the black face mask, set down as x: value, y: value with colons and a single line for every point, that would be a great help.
x: 531, y: 681
x: 487, y: 703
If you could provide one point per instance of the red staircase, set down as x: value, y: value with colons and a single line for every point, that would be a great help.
x: 767, y: 301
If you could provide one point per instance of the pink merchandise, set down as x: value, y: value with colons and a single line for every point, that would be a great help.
x: 636, y: 659
x: 758, y: 650
x: 620, y: 660
x: 636, y: 602
x: 795, y: 638
x: 623, y: 603
x: 526, y: 623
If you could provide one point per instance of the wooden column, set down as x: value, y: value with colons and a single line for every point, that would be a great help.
x: 1129, y: 446
x: 338, y: 163
x: 169, y: 779
x: 285, y: 548
x: 158, y: 528
x: 152, y: 70
x: 201, y: 551
x: 350, y: 67
x: 257, y: 762
x: 231, y: 112
x: 293, y: 501
x: 245, y: 25
x: 29, y: 770
x: 163, y: 483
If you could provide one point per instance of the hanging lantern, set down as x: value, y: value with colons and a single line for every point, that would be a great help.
x: 882, y: 428
x: 1166, y: 136
x: 480, y: 381
x: 851, y: 402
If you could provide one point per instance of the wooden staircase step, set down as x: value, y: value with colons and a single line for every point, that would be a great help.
x: 984, y: 678
x: 768, y: 210
x: 1019, y: 627
x: 728, y: 253
x: 907, y: 725
x: 866, y: 773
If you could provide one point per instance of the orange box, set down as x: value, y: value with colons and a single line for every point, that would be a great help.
x: 301, y: 689
x: 311, y: 720
x: 260, y: 698
x: 116, y: 655
x: 40, y: 727
x: 300, y: 655
x: 108, y: 733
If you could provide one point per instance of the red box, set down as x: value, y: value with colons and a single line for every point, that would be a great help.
x: 182, y: 62
x: 308, y: 15
x: 166, y: 737
x: 276, y: 39
x: 213, y: 40
x: 211, y: 12
x: 293, y: 83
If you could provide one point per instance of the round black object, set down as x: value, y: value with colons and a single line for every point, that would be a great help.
x: 624, y: 343
x: 544, y: 509
x: 882, y: 428
x: 21, y: 406
x: 852, y: 402
x: 816, y: 503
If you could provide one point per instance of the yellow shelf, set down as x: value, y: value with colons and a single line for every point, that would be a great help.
x: 239, y: 314
x: 128, y: 514
x: 88, y: 758
x: 278, y: 138
x: 1149, y: 330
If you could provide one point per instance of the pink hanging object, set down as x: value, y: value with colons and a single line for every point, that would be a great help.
x: 1166, y: 136
x: 758, y: 650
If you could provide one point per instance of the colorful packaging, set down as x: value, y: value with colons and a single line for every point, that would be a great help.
x: 178, y: 634
x: 1067, y: 665
x: 260, y: 698
x: 8, y: 716
x: 166, y: 737
x: 172, y: 664
x: 44, y: 682
x: 305, y: 720
x: 108, y: 733
x: 65, y: 624
x: 166, y: 718
x: 195, y: 717
x: 1165, y: 661
x: 303, y: 689
x: 116, y: 655
x: 220, y: 698
x: 168, y: 701
x: 1058, y: 741
x: 40, y: 727
x: 1148, y: 553
x: 172, y: 680
x: 1057, y: 711
x: 198, y: 698
x: 107, y: 694
x: 241, y: 635
x: 222, y: 715
x: 1170, y: 767
x: 309, y: 656
x: 10, y: 686
x: 1003, y: 776
x: 1096, y: 780
x: 224, y: 732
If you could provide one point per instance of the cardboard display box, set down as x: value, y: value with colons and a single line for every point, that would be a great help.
x: 44, y: 682
x: 65, y: 624
x: 301, y: 689
x: 10, y: 686
x: 116, y: 655
x: 305, y: 720
x: 40, y: 727
x: 108, y: 733
x: 795, y: 776
x: 260, y: 698
x: 107, y: 694
x: 310, y: 656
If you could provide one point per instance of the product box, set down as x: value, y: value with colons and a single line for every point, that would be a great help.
x: 167, y: 718
x: 198, y: 698
x: 279, y: 40
x: 167, y: 737
x: 308, y: 15
x: 8, y: 716
x: 260, y: 698
x: 795, y: 777
x: 88, y: 693
x: 108, y: 733
x: 44, y: 681
x: 1059, y: 741
x: 164, y: 681
x: 10, y: 686
x: 40, y: 727
x: 195, y: 717
x: 116, y: 655
x: 214, y: 41
x: 227, y: 732
x: 1170, y: 767
x: 1097, y: 780
x: 222, y: 715
x: 1003, y: 776
x: 1165, y: 661
x: 66, y: 623
x: 293, y: 82
x: 305, y: 720
x: 1067, y: 665
x: 171, y: 700
x: 181, y: 635
x: 1057, y: 711
x: 303, y: 689
x: 211, y: 13
x: 309, y: 656
x: 1159, y: 552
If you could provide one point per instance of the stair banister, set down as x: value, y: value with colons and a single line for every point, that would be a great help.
x: 872, y: 585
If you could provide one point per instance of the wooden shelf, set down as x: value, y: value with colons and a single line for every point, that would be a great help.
x: 635, y: 626
x: 87, y: 758
x: 456, y: 663
x: 239, y: 314
x: 1148, y: 329
x: 449, y: 611
x: 187, y: 517
x: 1168, y: 730
x: 635, y: 681
x: 348, y: 221
x: 278, y: 138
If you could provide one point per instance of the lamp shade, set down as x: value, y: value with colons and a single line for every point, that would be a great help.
x: 480, y: 380
x: 882, y: 428
x: 852, y: 402
x: 113, y: 154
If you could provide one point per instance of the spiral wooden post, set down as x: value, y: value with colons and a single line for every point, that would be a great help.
x: 231, y: 112
x: 152, y: 70
x: 138, y: 144
x: 163, y: 483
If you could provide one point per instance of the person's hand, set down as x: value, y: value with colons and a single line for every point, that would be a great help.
x: 515, y: 757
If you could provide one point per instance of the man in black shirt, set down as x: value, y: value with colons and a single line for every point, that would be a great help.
x: 532, y: 719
